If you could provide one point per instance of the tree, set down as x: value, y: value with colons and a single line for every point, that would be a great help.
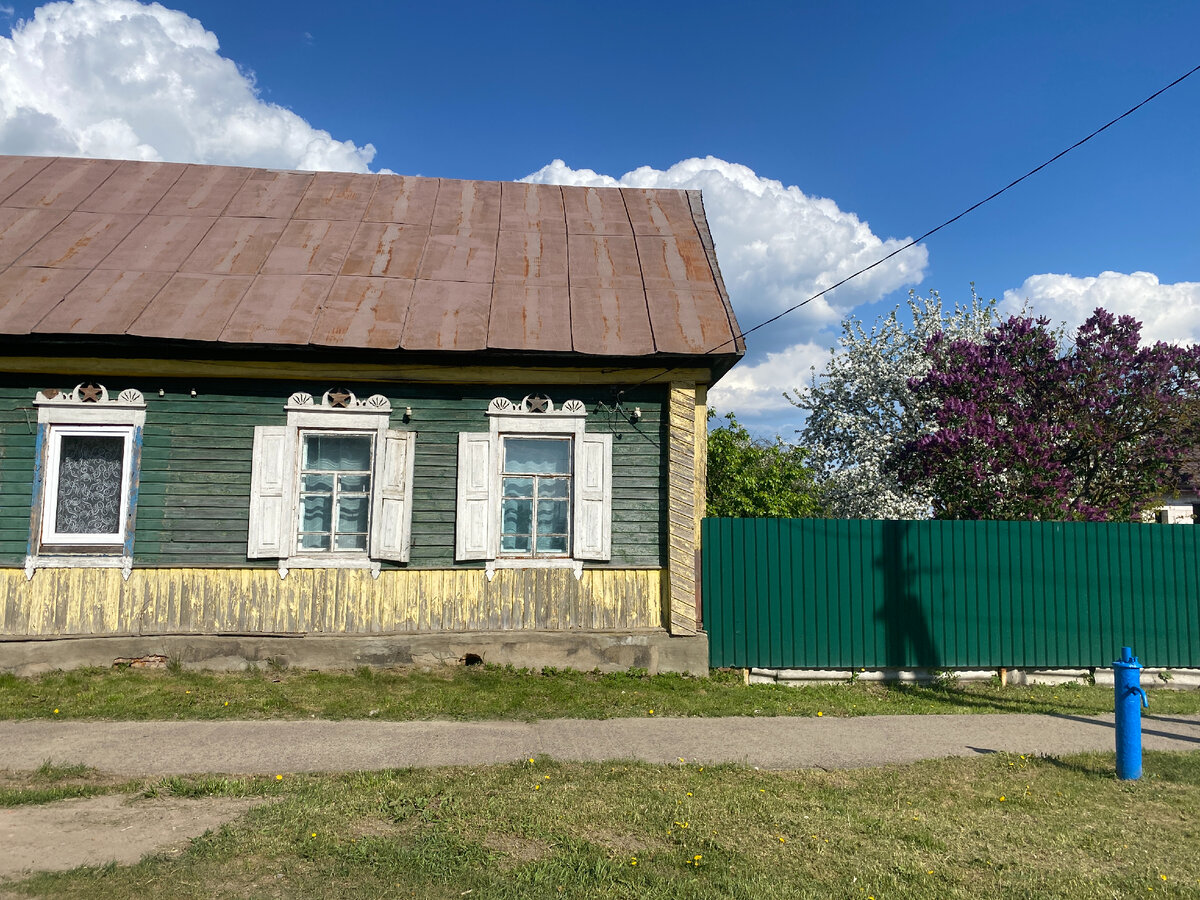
x: 862, y: 410
x: 1029, y: 429
x: 749, y: 477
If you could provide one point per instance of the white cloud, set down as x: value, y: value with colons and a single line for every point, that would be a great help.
x: 755, y: 389
x: 777, y: 246
x: 118, y: 78
x: 1168, y: 312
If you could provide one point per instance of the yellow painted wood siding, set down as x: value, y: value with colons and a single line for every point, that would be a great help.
x: 683, y: 509
x: 331, y: 601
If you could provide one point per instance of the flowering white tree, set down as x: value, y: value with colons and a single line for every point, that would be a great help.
x: 861, y: 409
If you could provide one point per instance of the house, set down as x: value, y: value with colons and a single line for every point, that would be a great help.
x: 333, y: 419
x: 1182, y: 507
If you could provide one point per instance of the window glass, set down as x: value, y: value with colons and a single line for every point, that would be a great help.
x: 337, y: 452
x: 537, y: 456
x: 536, y: 490
x: 88, y: 496
x: 335, y: 492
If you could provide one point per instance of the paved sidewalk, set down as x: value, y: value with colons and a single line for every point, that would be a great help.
x: 266, y: 747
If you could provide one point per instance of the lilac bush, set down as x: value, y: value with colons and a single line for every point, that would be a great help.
x: 1027, y: 429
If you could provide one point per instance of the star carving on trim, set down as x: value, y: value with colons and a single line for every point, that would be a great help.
x: 90, y: 393
x: 339, y: 399
x: 539, y: 403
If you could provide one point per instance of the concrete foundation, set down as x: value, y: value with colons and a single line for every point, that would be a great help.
x: 1151, y: 678
x: 652, y: 650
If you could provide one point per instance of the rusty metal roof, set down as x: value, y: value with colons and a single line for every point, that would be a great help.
x: 102, y: 248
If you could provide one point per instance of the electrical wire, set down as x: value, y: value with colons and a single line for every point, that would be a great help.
x: 932, y: 231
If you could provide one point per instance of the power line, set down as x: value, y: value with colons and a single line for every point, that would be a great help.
x: 966, y: 211
x: 933, y: 231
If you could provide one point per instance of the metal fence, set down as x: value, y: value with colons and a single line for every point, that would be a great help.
x: 833, y: 593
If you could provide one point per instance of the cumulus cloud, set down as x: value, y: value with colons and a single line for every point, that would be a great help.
x: 754, y: 389
x: 122, y: 79
x: 777, y: 247
x: 1168, y: 312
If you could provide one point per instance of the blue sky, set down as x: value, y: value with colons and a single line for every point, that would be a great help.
x: 885, y: 118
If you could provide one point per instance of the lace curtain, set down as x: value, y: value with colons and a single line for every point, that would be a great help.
x: 89, y: 485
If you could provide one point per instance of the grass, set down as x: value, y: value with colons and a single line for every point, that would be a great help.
x: 50, y: 782
x: 489, y: 692
x: 995, y: 826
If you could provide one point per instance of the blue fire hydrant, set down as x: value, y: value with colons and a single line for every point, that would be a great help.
x: 1130, y: 698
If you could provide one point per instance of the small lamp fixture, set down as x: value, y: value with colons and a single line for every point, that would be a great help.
x: 408, y: 414
x: 636, y: 415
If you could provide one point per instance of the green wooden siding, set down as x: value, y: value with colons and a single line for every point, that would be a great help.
x: 193, y: 505
x: 827, y: 593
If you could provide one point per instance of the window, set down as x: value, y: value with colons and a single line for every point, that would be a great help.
x: 335, y: 491
x: 85, y: 483
x: 332, y: 487
x: 536, y: 489
x: 535, y: 492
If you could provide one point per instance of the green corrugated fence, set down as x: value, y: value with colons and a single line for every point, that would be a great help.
x: 833, y: 593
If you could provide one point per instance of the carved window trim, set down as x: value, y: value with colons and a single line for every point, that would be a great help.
x: 478, y: 507
x: 86, y: 410
x: 275, y: 482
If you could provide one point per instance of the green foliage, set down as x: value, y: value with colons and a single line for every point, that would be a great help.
x: 750, y: 477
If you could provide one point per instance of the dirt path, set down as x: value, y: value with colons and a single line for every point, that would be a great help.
x: 269, y: 747
x: 58, y: 836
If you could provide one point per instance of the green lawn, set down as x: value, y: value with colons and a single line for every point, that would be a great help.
x: 991, y: 826
x: 501, y: 693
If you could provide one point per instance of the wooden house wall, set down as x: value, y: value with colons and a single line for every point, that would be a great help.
x: 193, y: 504
x: 73, y: 602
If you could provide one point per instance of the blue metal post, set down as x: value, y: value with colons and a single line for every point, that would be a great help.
x: 1130, y: 698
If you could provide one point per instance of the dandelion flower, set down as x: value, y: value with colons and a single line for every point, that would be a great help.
x: 651, y: 712
x: 819, y: 713
x: 1001, y: 798
x: 782, y: 839
x: 314, y: 834
x: 279, y: 778
x: 226, y: 702
x: 56, y: 712
x: 537, y: 787
x: 689, y: 793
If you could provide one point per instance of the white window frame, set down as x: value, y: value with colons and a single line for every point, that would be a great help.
x: 333, y: 552
x: 50, y: 491
x: 275, y: 483
x: 85, y: 411
x: 480, y: 472
x: 568, y: 476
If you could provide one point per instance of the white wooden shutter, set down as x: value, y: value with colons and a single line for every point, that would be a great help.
x: 391, y: 515
x: 476, y: 511
x: 593, y: 497
x: 271, y: 531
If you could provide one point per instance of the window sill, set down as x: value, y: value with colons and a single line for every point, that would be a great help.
x: 328, y: 562
x: 82, y: 560
x: 574, y: 565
